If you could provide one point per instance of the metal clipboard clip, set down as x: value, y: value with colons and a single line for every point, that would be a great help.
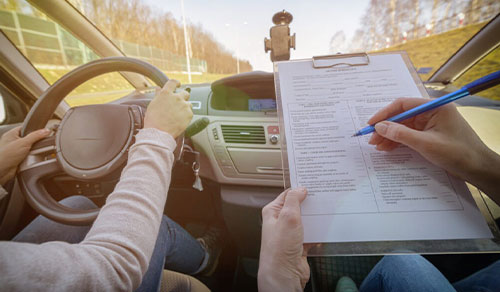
x: 356, y: 59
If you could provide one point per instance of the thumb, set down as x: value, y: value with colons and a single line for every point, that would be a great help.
x: 33, y: 137
x: 295, y: 197
x: 400, y: 133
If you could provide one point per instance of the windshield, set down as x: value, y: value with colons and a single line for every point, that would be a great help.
x: 223, y: 37
x: 227, y: 37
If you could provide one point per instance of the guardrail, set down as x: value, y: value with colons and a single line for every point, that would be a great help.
x: 48, y: 45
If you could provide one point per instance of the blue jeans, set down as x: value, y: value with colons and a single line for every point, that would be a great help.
x: 175, y: 248
x: 415, y: 273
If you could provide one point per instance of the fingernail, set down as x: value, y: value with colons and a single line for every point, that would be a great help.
x: 45, y: 131
x: 301, y: 189
x: 381, y: 128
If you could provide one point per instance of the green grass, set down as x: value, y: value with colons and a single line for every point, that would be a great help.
x: 435, y: 50
x: 111, y: 86
x: 486, y: 66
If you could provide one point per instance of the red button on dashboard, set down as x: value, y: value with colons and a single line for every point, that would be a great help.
x: 273, y: 130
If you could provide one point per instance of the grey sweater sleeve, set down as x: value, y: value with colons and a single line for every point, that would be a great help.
x: 116, y: 252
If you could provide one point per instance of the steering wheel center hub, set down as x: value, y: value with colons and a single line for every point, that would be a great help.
x: 92, y: 141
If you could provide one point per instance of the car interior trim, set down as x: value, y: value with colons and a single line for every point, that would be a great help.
x: 482, y: 43
x: 21, y: 69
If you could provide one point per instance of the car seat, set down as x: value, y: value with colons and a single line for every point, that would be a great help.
x: 177, y: 282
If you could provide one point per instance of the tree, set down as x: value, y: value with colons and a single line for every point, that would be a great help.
x: 135, y: 22
x: 386, y: 21
x: 338, y: 42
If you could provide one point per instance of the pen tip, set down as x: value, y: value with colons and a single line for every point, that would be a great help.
x: 355, y: 135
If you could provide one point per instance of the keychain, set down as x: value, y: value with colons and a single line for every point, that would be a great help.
x: 197, y: 185
x: 191, y: 156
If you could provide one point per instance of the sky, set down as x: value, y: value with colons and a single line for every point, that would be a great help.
x: 242, y: 25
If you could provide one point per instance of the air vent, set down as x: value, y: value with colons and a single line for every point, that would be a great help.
x: 244, y: 134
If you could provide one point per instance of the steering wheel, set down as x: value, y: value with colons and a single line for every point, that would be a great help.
x: 91, y: 141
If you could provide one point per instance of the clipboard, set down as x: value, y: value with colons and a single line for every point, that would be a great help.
x: 481, y: 245
x: 330, y: 61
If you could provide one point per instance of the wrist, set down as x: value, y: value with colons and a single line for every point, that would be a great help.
x: 486, y: 174
x: 269, y: 279
x: 3, y: 176
x: 273, y: 274
x: 155, y: 136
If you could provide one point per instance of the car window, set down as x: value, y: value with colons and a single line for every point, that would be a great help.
x: 12, y: 109
x: 429, y: 53
x: 54, y: 52
x: 487, y: 65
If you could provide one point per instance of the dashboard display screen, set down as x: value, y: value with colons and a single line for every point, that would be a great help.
x: 261, y: 105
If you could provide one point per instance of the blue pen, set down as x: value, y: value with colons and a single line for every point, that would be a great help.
x: 480, y: 84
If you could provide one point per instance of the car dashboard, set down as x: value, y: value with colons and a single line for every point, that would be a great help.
x: 241, y: 144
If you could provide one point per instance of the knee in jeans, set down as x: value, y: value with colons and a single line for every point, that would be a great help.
x: 404, y: 261
x: 167, y: 226
x: 78, y: 202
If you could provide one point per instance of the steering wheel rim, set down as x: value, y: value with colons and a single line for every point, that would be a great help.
x: 44, y: 107
x: 33, y: 170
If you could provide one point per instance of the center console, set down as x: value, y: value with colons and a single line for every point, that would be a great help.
x: 241, y: 143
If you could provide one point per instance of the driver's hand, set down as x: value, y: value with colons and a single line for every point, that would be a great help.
x: 13, y: 150
x: 168, y: 111
x: 283, y: 263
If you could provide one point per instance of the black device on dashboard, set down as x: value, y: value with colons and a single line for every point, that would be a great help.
x: 251, y: 91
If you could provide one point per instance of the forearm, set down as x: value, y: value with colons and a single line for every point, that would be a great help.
x: 116, y: 251
x: 130, y: 220
x: 486, y: 174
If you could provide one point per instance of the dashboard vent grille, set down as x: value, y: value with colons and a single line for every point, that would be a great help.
x: 244, y: 134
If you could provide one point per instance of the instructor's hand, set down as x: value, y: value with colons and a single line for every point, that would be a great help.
x: 13, y: 150
x: 443, y: 137
x: 168, y: 111
x: 283, y: 264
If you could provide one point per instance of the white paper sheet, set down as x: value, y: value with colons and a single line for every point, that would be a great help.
x: 355, y: 192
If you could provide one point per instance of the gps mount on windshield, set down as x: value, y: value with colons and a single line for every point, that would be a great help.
x: 281, y: 41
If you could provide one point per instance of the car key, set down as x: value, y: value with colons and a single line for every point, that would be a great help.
x: 191, y: 156
x: 197, y: 185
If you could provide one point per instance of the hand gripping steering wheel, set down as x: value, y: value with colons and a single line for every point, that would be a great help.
x: 91, y: 141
